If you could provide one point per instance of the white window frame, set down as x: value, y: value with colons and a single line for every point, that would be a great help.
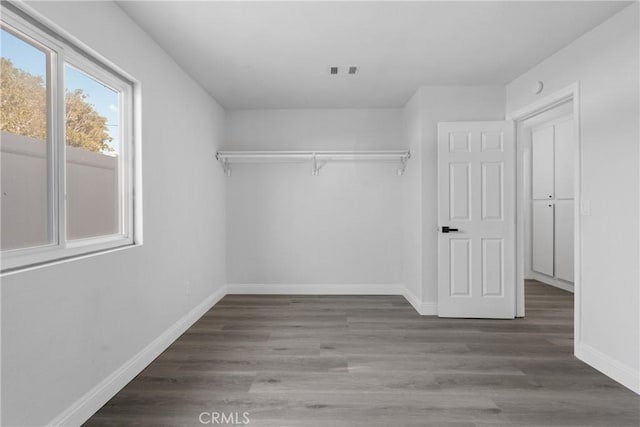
x: 61, y: 52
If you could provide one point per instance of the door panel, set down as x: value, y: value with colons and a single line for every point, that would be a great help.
x: 542, y: 159
x: 564, y: 160
x: 542, y: 237
x: 492, y: 191
x: 476, y: 196
x: 459, y: 186
x: 564, y: 240
x: 492, y: 267
x: 459, y: 141
x: 492, y: 141
x: 460, y: 253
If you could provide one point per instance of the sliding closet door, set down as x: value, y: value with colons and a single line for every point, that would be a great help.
x: 552, y: 214
x: 542, y: 160
x: 542, y: 237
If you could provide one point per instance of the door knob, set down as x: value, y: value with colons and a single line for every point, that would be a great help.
x: 446, y: 229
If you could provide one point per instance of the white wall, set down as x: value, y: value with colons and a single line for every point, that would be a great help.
x: 66, y: 327
x: 442, y: 104
x: 605, y: 63
x: 412, y: 198
x: 343, y: 227
x: 314, y: 129
x: 353, y: 223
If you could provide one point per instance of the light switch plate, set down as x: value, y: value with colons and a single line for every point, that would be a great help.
x: 586, y: 207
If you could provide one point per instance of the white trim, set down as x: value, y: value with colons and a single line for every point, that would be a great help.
x: 65, y: 260
x: 610, y: 367
x: 24, y: 259
x: 413, y: 300
x: 314, y: 289
x: 552, y: 122
x: 429, y: 308
x: 81, y: 410
x: 552, y: 281
x: 49, y: 26
x: 544, y: 104
x: 571, y: 92
x: 423, y: 308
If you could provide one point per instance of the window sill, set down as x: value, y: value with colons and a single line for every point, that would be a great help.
x: 70, y: 257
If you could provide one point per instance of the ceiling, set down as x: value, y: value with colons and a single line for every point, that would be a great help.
x: 277, y: 54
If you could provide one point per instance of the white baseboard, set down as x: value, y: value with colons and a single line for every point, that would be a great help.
x: 608, y: 366
x: 413, y: 300
x: 81, y: 410
x: 423, y: 308
x: 315, y: 289
x: 429, y: 308
x: 558, y: 283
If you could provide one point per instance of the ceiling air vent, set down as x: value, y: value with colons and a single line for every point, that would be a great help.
x: 351, y: 70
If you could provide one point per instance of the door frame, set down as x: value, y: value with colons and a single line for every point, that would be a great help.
x: 570, y: 93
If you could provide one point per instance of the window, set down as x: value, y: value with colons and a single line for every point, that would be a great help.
x: 66, y: 148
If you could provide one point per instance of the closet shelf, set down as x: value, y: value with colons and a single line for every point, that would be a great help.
x: 317, y: 158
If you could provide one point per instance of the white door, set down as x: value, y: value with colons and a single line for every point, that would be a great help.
x: 476, y: 213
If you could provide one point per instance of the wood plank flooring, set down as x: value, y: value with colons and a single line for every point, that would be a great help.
x: 372, y: 361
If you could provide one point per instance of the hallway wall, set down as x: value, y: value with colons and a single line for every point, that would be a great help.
x: 605, y: 63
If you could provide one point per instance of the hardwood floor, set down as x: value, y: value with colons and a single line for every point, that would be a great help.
x: 372, y: 361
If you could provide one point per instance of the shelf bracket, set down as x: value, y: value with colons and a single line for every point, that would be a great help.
x: 317, y: 165
x: 403, y: 164
x: 226, y: 167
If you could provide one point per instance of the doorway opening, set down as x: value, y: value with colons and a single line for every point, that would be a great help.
x: 548, y: 197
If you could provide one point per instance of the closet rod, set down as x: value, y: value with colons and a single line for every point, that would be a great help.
x: 319, y: 158
x: 256, y: 156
